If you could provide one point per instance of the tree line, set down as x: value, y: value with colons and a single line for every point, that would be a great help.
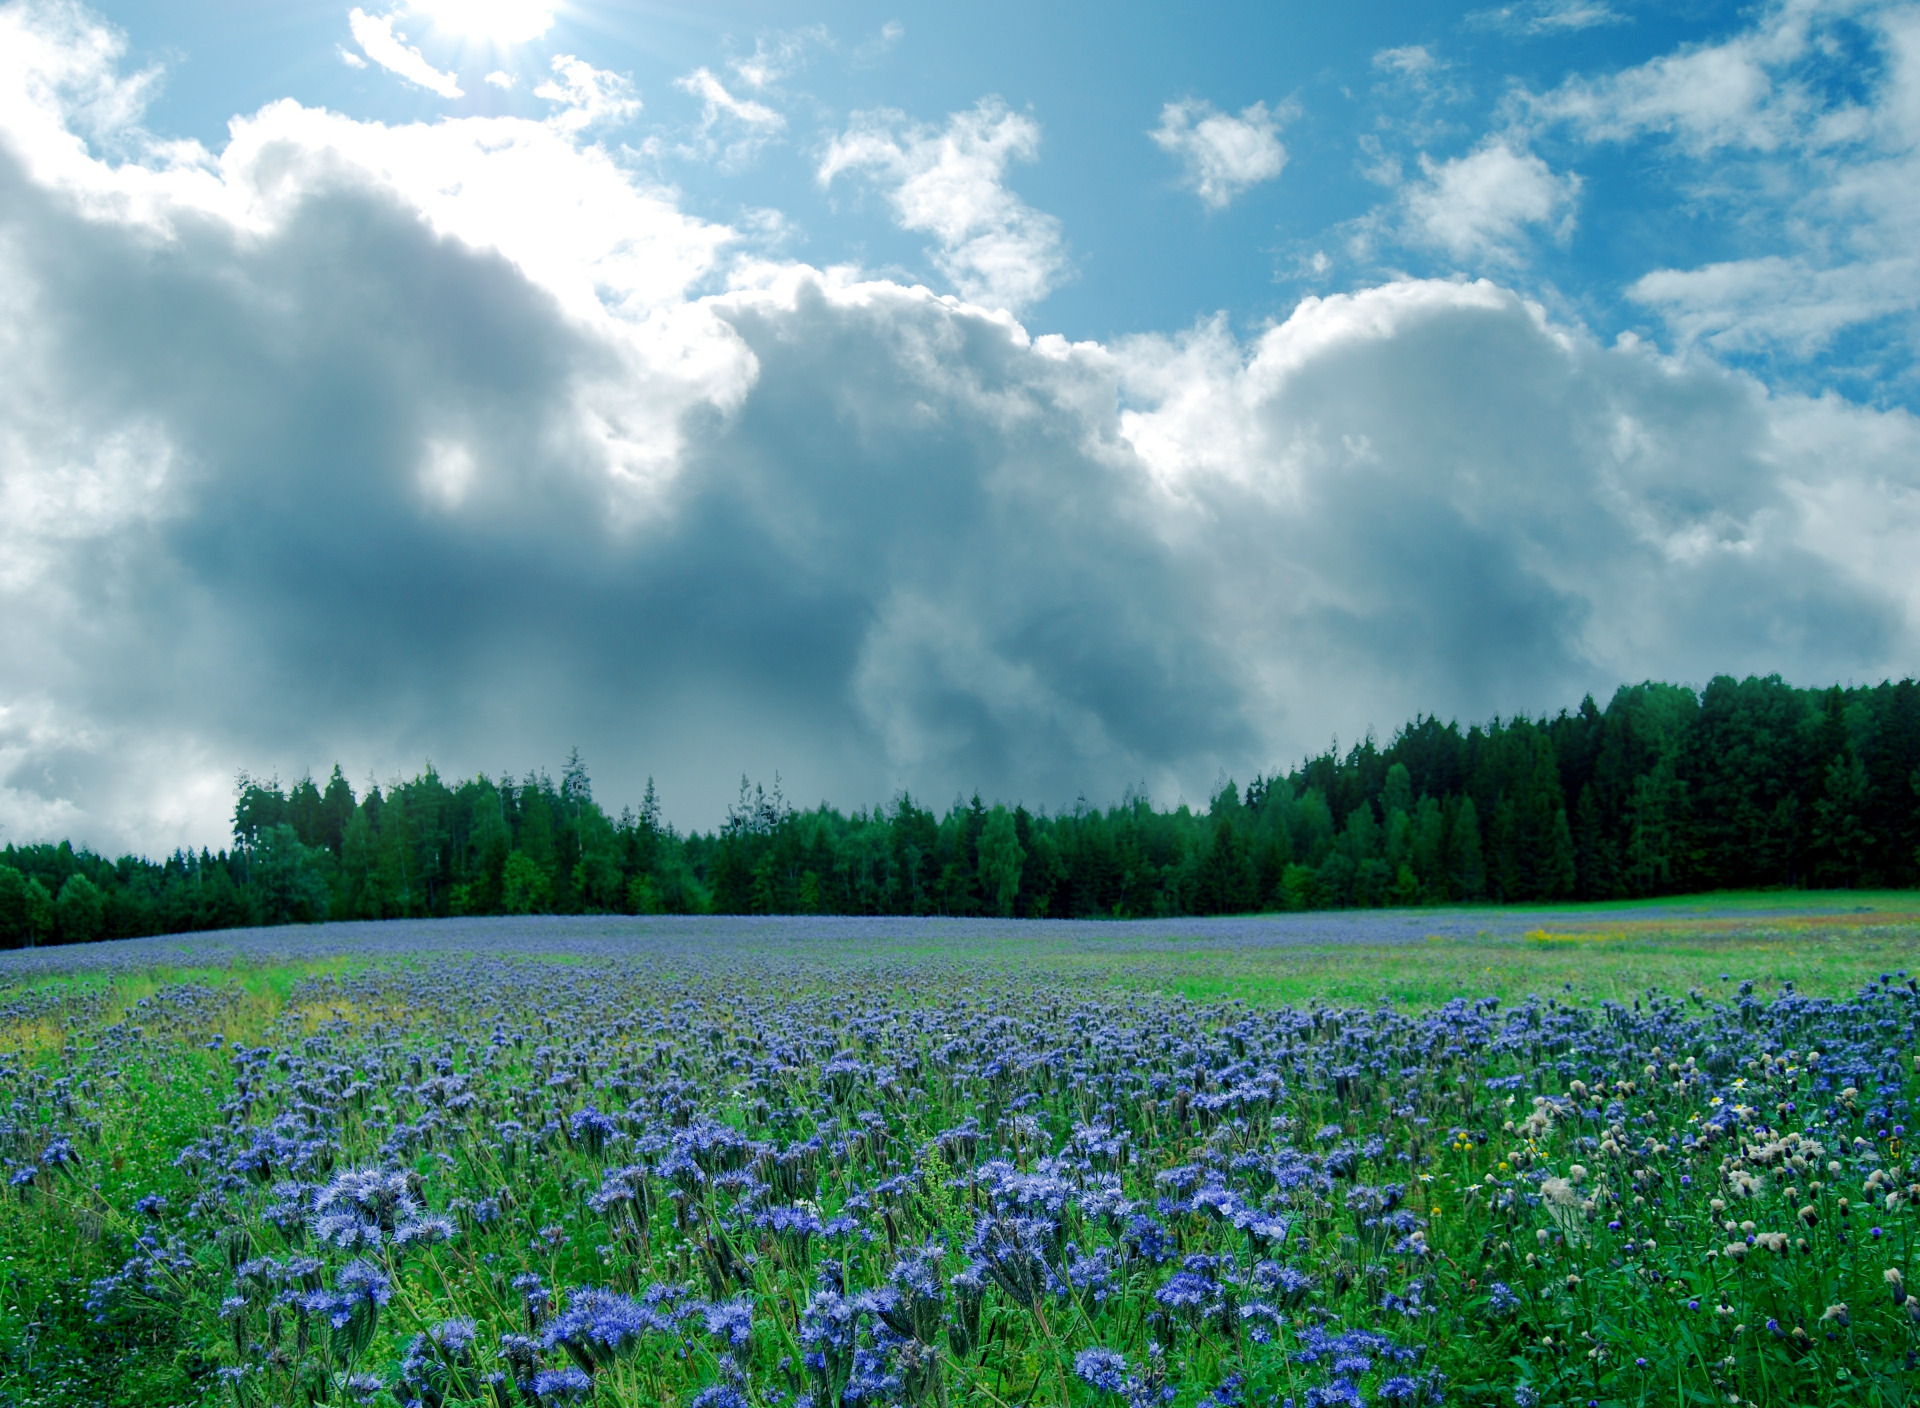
x: 1746, y: 784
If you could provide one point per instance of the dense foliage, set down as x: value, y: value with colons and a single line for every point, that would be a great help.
x: 1748, y: 784
x: 746, y: 1181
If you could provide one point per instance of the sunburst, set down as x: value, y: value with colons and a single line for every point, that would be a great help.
x: 502, y: 23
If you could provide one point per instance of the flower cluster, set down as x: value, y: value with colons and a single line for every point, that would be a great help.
x: 699, y: 1179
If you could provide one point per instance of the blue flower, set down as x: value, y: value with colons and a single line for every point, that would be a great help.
x: 1104, y: 1369
x: 599, y: 1327
x: 454, y: 1337
x: 732, y: 1320
x: 568, y: 1385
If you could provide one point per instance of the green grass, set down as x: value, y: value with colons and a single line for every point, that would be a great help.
x: 1824, y: 943
x: 1721, y: 901
x: 1612, y: 966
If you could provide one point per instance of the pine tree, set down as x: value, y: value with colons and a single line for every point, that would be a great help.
x: 1466, y: 869
x: 1842, y: 845
x: 1000, y: 862
x: 1562, y: 876
x: 80, y: 910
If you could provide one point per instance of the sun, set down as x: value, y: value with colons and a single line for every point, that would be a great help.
x: 501, y: 22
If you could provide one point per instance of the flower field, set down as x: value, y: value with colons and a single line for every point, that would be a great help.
x: 723, y: 1175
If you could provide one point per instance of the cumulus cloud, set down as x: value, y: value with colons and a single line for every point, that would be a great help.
x: 377, y: 38
x: 1481, y: 205
x: 1222, y: 154
x: 372, y: 442
x: 950, y: 182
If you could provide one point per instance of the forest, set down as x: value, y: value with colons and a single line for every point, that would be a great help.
x: 1746, y: 784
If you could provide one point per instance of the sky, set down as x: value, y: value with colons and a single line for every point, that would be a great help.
x: 1037, y: 400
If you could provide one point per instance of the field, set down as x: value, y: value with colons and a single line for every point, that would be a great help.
x: 1632, y: 1155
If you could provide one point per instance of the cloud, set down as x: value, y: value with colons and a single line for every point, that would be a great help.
x: 1549, y: 17
x: 1412, y: 60
x: 588, y: 96
x: 871, y: 51
x: 502, y: 80
x: 1415, y: 71
x: 1481, y: 205
x: 703, y: 85
x: 776, y: 55
x: 377, y: 38
x: 950, y: 183
x: 1709, y: 96
x: 1223, y: 155
x: 1798, y: 134
x: 1752, y: 305
x: 754, y: 121
x: 373, y: 442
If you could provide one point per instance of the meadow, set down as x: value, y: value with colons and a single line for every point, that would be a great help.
x: 1648, y: 1154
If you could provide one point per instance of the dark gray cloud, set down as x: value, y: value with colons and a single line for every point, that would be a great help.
x: 313, y: 456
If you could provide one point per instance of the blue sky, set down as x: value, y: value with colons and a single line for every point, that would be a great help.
x: 1040, y: 399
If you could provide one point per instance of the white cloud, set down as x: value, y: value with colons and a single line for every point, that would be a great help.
x: 1752, y: 305
x: 704, y: 86
x: 377, y: 37
x: 1741, y: 92
x: 873, y: 50
x: 307, y: 436
x: 351, y: 59
x: 1223, y: 155
x: 1709, y: 97
x: 1413, y: 70
x: 502, y: 80
x: 1549, y: 17
x: 588, y: 96
x: 1482, y: 204
x: 776, y: 55
x: 1413, y: 60
x: 754, y: 122
x: 1820, y: 179
x: 950, y: 183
